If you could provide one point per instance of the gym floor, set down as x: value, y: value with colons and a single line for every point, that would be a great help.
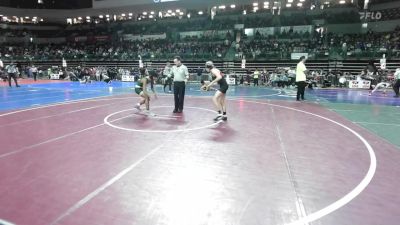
x: 80, y: 154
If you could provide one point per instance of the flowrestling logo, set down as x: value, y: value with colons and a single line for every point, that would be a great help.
x: 370, y: 15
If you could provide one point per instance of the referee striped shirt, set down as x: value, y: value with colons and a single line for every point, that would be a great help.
x: 180, y: 73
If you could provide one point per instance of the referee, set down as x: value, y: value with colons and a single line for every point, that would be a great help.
x: 181, y: 75
x: 12, y: 72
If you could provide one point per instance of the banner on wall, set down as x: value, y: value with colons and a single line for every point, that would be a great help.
x: 131, y: 37
x: 297, y: 29
x: 190, y: 34
x: 285, y: 29
x: 239, y: 26
x: 80, y: 39
x: 303, y: 29
x: 219, y: 33
x: 128, y: 78
x: 265, y: 31
x: 102, y: 38
x: 230, y: 80
x: 362, y: 84
x: 249, y: 32
x: 296, y: 56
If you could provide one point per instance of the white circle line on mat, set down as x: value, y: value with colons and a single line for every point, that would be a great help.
x: 353, y: 193
x: 106, y: 121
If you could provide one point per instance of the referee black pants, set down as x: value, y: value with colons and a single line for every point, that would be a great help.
x: 179, y: 95
x: 12, y: 75
x: 396, y: 87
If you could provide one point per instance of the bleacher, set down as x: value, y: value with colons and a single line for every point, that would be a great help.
x: 351, y: 66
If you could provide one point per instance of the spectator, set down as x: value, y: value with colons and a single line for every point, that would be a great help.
x: 301, y: 78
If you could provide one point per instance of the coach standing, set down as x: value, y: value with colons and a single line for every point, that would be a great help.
x: 301, y: 78
x: 181, y: 75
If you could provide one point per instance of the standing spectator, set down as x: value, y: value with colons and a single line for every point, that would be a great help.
x: 396, y: 85
x: 167, y: 76
x: 301, y: 78
x: 248, y: 79
x: 264, y: 77
x: 34, y: 71
x: 19, y: 69
x: 2, y: 74
x: 199, y: 71
x: 12, y: 71
x: 28, y: 71
x: 256, y: 76
x: 181, y: 76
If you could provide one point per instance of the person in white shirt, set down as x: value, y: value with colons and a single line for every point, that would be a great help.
x: 301, y: 78
x: 181, y: 75
x: 256, y: 76
x: 396, y: 85
x: 12, y: 72
x: 2, y: 73
x: 34, y: 71
x: 168, y: 77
